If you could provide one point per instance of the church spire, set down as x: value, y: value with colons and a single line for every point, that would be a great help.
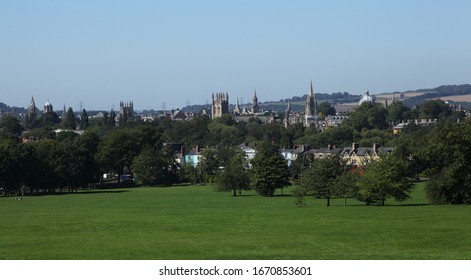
x: 311, y: 92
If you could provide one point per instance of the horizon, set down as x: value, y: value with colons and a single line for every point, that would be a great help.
x: 97, y: 53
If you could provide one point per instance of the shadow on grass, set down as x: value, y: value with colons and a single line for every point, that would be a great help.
x: 73, y: 193
x: 386, y: 205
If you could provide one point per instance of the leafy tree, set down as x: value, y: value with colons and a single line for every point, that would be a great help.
x: 10, y: 171
x: 300, y: 165
x: 398, y: 112
x: 117, y: 151
x: 152, y: 167
x: 447, y: 152
x: 319, y: 179
x: 434, y: 109
x: 270, y: 171
x: 385, y: 178
x: 326, y: 109
x: 11, y: 125
x: 209, y: 164
x: 345, y: 185
x: 235, y: 176
x: 48, y: 120
x: 368, y: 116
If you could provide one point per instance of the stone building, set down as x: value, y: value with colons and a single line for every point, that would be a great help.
x: 220, y: 105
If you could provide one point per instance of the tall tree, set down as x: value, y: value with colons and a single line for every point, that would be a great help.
x: 388, y: 177
x: 320, y: 178
x: 117, y: 151
x: 84, y: 119
x: 447, y: 152
x: 70, y: 121
x: 11, y: 125
x: 235, y: 176
x: 154, y: 167
x: 269, y: 171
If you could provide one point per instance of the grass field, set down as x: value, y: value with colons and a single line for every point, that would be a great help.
x: 195, y: 222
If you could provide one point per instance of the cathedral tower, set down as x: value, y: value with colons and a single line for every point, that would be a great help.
x: 220, y: 105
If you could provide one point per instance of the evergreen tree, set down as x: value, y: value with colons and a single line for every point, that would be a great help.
x: 70, y: 121
x: 84, y: 120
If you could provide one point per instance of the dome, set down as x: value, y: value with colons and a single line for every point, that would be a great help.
x: 367, y: 98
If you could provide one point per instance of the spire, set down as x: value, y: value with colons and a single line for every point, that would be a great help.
x: 32, y: 104
x: 311, y: 92
x: 289, y: 106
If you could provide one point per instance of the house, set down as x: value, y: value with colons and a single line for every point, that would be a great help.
x: 299, y: 150
x: 330, y: 150
x: 359, y: 156
x: 193, y: 156
x: 287, y: 155
x: 248, y: 149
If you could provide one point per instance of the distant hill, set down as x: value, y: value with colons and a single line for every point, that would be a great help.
x: 450, y: 93
x: 8, y: 109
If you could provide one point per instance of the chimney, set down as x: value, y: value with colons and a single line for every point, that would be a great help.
x: 198, y: 149
x: 182, y: 150
x: 375, y: 147
x: 355, y: 146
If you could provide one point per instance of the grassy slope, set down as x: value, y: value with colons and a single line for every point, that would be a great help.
x: 197, y: 223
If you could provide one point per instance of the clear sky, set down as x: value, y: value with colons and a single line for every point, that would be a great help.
x: 176, y: 52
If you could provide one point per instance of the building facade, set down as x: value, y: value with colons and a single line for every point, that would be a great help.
x: 220, y: 105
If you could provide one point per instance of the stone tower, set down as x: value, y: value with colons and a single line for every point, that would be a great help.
x: 126, y: 110
x: 220, y: 105
x: 47, y: 108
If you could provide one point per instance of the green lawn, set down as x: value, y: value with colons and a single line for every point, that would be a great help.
x: 197, y: 223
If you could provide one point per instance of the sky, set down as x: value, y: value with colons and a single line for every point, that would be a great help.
x: 167, y: 54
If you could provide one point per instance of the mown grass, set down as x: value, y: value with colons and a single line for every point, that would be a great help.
x: 194, y: 222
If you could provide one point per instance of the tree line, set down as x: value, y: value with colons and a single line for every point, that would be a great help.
x: 135, y: 151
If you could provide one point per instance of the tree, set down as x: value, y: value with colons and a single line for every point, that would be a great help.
x: 368, y: 116
x: 434, y: 109
x: 345, y: 185
x: 398, y: 112
x: 84, y: 120
x: 326, y: 109
x: 150, y: 167
x: 11, y: 125
x: 319, y: 179
x: 447, y: 154
x: 269, y: 171
x: 388, y: 177
x: 10, y: 171
x: 209, y: 164
x: 235, y: 176
x: 70, y: 121
x: 112, y: 119
x: 117, y: 151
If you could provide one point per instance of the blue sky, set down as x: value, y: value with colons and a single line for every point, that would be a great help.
x: 153, y: 52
